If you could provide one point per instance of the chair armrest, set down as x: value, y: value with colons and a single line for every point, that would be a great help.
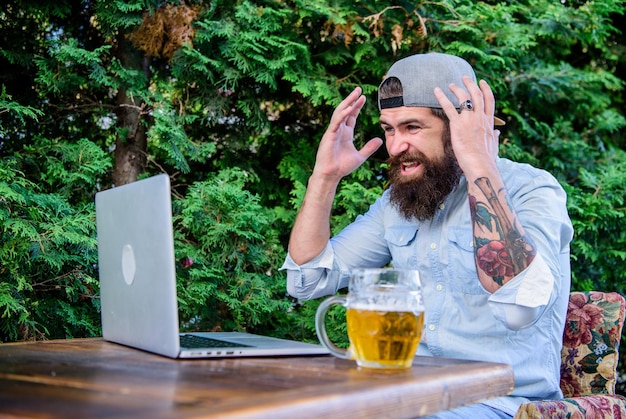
x: 600, y: 406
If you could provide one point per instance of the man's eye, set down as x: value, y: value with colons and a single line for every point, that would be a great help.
x: 413, y: 128
x: 388, y: 129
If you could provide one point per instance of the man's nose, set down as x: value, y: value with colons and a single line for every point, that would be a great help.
x: 398, y: 144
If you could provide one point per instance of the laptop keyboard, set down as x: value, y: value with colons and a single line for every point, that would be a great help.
x: 194, y: 341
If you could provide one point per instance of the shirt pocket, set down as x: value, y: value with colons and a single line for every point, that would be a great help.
x: 461, y: 262
x: 399, y: 238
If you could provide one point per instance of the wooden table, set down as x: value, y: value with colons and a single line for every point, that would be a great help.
x: 93, y: 378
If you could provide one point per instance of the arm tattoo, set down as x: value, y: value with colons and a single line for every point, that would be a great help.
x: 509, y: 255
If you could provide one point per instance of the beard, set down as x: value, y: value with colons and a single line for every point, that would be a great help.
x: 420, y: 198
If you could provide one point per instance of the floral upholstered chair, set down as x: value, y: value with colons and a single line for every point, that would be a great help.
x: 593, y: 329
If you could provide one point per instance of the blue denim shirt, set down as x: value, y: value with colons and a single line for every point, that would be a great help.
x: 462, y: 319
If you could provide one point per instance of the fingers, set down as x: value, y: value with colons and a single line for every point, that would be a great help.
x: 462, y: 96
x: 370, y: 147
x: 349, y: 108
x: 445, y: 103
x: 489, y: 98
x: 481, y: 95
x: 475, y: 95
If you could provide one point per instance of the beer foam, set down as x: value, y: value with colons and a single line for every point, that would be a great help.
x: 387, y: 305
x: 383, y: 298
x: 379, y: 307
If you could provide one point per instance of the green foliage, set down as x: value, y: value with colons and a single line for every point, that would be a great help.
x: 18, y: 111
x: 598, y: 210
x: 71, y: 170
x: 68, y: 68
x: 48, y: 285
x: 228, y: 253
x: 170, y: 141
x: 355, y: 197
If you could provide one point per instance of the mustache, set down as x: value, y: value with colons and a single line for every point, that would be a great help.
x: 407, y: 157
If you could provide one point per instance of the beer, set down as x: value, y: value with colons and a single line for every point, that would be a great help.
x: 385, y: 316
x: 384, y: 339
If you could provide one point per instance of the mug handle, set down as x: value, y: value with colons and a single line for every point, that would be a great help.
x: 320, y: 326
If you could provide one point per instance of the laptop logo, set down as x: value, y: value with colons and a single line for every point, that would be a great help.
x: 129, y: 267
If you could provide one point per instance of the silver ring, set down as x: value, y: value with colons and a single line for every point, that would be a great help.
x: 466, y: 105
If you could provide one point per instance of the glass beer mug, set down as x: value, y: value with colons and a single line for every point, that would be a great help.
x: 385, y: 317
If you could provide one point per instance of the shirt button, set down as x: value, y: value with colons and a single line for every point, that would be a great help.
x: 431, y: 327
x: 442, y: 206
x: 471, y: 243
x: 433, y: 246
x: 439, y: 287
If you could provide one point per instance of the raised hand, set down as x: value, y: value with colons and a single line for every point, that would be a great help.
x: 474, y: 140
x: 337, y: 156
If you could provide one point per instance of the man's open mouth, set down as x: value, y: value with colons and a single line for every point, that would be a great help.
x: 409, y: 168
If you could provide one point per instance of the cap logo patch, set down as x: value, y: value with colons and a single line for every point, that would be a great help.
x: 392, y: 102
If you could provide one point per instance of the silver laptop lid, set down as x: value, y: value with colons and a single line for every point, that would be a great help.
x: 135, y: 247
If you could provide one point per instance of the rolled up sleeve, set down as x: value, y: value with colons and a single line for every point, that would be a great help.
x: 361, y: 244
x: 521, y: 301
x: 315, y: 278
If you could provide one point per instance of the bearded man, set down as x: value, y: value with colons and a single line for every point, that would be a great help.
x: 489, y: 237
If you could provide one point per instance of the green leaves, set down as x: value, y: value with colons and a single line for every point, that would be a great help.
x: 48, y: 249
x: 226, y: 245
x: 598, y: 211
x: 19, y: 111
x: 71, y: 170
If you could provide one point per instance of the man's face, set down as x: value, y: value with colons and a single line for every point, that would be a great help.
x: 422, y: 166
x: 415, y: 132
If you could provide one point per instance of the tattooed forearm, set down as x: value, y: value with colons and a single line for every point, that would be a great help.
x: 502, y: 251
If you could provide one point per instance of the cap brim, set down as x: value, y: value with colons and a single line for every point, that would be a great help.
x: 498, y: 122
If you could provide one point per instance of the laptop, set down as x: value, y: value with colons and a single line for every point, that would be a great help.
x: 138, y: 281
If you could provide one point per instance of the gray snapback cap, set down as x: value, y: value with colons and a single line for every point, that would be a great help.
x: 419, y: 75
